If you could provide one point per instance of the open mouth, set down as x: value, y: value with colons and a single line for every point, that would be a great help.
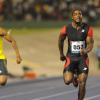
x: 78, y: 19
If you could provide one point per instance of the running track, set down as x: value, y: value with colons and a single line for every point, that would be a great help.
x: 48, y: 89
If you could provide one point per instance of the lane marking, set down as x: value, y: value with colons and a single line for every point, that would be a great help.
x: 29, y: 92
x: 25, y: 93
x: 58, y: 94
x: 92, y: 97
x: 62, y: 93
x: 50, y: 96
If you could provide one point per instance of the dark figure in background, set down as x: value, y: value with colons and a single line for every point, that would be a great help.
x: 80, y: 43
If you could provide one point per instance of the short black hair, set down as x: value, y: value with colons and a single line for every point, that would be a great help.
x: 75, y: 9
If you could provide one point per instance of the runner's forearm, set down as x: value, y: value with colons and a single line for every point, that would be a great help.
x: 14, y: 45
x: 89, y: 46
x: 61, y: 44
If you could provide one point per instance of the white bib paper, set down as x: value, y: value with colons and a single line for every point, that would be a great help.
x: 76, y: 46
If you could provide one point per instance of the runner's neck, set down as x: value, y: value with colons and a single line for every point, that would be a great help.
x: 76, y: 25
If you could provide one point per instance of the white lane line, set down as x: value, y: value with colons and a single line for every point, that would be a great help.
x: 30, y: 92
x: 58, y: 94
x: 93, y: 97
x: 25, y: 93
x: 62, y: 93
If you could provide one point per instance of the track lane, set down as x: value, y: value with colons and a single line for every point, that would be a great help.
x: 48, y: 89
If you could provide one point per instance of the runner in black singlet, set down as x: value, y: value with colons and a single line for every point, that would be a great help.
x: 80, y: 42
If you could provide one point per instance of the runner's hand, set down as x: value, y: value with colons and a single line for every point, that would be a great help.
x: 62, y: 57
x: 83, y: 52
x: 18, y: 59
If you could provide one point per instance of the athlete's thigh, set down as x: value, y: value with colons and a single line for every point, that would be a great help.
x: 3, y: 78
x: 83, y: 65
x: 68, y: 70
x: 68, y: 76
x: 82, y: 78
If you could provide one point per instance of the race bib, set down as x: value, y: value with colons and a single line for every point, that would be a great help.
x: 76, y: 46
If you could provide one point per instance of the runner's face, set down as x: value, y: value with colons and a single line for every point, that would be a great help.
x: 77, y: 16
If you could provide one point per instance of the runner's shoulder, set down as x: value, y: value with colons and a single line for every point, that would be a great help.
x: 86, y: 25
x: 89, y: 30
x: 63, y: 30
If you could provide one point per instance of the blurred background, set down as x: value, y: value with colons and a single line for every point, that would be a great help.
x: 15, y: 10
x: 35, y: 25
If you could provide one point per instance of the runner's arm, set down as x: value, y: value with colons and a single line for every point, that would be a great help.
x: 61, y: 43
x: 61, y: 46
x: 10, y: 39
x: 61, y: 39
x: 90, y: 43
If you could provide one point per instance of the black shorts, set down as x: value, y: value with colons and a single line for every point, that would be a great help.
x: 76, y: 65
x: 3, y: 67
